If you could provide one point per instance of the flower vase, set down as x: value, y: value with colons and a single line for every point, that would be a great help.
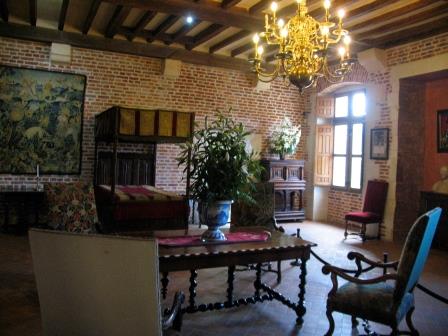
x: 217, y: 214
x: 282, y: 156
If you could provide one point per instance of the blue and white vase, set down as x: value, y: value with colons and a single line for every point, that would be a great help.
x: 217, y: 214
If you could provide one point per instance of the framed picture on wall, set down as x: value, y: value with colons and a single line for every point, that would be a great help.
x: 442, y: 131
x: 41, y: 115
x: 379, y: 144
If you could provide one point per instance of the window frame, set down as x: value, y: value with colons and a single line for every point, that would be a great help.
x: 349, y: 120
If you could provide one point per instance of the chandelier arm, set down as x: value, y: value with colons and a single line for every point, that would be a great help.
x: 273, y: 74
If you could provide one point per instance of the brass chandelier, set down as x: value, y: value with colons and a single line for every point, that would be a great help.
x: 303, y: 44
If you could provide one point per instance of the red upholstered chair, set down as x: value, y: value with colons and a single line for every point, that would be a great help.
x: 373, y: 209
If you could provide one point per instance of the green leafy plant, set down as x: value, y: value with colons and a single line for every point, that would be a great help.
x: 285, y: 138
x: 220, y: 167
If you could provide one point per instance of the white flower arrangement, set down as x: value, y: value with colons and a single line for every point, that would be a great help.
x: 285, y: 138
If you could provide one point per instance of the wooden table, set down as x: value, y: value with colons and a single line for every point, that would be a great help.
x: 279, y: 247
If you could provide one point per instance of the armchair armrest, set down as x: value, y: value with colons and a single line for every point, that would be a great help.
x: 173, y: 317
x: 336, y: 271
x: 358, y: 257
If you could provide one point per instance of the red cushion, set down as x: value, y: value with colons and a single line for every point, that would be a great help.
x: 363, y: 217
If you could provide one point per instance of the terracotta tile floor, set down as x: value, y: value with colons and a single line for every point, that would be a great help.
x: 19, y: 313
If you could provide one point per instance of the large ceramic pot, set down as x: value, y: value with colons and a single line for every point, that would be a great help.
x: 217, y: 214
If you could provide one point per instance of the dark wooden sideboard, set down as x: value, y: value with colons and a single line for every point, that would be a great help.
x: 429, y: 200
x: 289, y: 185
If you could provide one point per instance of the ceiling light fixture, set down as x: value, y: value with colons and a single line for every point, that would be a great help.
x: 303, y: 44
x: 189, y: 19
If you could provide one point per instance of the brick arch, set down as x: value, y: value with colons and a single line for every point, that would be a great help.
x: 338, y: 86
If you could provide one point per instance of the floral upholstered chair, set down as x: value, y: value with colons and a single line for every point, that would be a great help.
x: 71, y: 207
x: 375, y: 299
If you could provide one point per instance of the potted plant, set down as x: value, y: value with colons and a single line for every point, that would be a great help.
x: 285, y: 138
x: 221, y: 170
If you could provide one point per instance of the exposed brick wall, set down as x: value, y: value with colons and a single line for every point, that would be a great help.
x: 417, y: 50
x: 118, y: 79
x: 341, y: 202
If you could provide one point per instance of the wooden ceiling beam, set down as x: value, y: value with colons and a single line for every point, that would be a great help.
x: 422, y: 16
x: 162, y: 37
x: 229, y: 3
x: 410, y: 34
x: 63, y: 14
x: 33, y: 12
x: 231, y: 39
x: 120, y: 14
x: 234, y: 17
x: 205, y: 35
x: 259, y: 6
x: 4, y: 12
x: 121, y: 46
x: 392, y: 14
x: 164, y: 26
x: 367, y: 8
x: 91, y: 16
x: 241, y: 49
x: 184, y: 30
x: 141, y: 24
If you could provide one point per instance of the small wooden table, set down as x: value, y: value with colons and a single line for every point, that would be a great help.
x: 279, y: 247
x: 26, y: 201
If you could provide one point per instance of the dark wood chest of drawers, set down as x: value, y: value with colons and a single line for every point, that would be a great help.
x: 289, y: 185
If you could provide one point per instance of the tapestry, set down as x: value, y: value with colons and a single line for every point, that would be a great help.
x: 41, y: 116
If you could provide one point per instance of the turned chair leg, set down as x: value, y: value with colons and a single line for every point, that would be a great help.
x: 331, y: 322
x: 279, y: 271
x: 414, y: 332
x: 363, y: 232
x: 346, y: 227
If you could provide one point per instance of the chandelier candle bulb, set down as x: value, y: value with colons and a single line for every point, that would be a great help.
x: 274, y: 7
x: 341, y: 14
x: 284, y: 33
x: 347, y: 40
x: 280, y: 23
x: 256, y: 39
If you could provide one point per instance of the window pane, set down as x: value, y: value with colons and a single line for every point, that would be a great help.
x: 340, y: 139
x: 341, y: 108
x: 357, y: 139
x: 359, y: 104
x: 339, y: 171
x: 355, y: 181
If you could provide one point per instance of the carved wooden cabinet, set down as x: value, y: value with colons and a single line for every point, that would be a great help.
x: 289, y: 185
x: 429, y: 200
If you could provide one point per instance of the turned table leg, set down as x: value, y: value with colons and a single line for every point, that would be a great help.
x: 257, y: 282
x: 192, y: 290
x: 230, y: 278
x: 164, y: 282
x: 301, y: 310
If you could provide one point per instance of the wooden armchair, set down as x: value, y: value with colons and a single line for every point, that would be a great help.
x: 375, y: 299
x: 99, y: 285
